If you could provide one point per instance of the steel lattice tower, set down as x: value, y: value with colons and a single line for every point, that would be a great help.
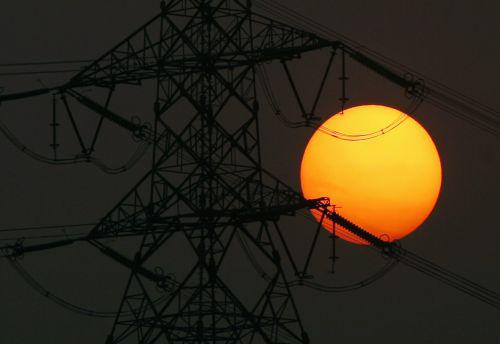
x: 206, y: 182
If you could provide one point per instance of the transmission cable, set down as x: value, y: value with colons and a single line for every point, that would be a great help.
x: 490, y: 118
x: 61, y: 302
x: 42, y: 63
x: 265, y: 82
x: 38, y: 63
x: 136, y: 156
x: 32, y: 282
x: 299, y: 19
x: 37, y: 228
x: 46, y: 236
x: 313, y: 285
x: 61, y: 71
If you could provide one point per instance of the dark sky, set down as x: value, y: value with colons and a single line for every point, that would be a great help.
x: 454, y: 42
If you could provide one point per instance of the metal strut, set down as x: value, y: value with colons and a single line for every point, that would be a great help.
x: 343, y: 80
x: 54, y: 124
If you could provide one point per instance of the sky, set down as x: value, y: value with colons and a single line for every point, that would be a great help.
x: 449, y: 41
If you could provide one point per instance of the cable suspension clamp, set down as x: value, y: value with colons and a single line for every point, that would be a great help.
x: 54, y: 124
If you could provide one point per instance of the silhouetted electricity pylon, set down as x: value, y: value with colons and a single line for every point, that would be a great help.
x: 206, y: 182
x: 207, y: 186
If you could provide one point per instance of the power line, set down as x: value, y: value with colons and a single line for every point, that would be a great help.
x: 38, y: 63
x: 48, y: 236
x: 41, y: 63
x: 54, y: 227
x: 62, y: 71
x: 37, y: 286
x: 451, y: 101
x: 136, y: 156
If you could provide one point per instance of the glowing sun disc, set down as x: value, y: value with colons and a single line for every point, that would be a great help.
x: 378, y: 166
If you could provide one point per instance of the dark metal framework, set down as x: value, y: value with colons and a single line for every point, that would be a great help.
x: 206, y: 182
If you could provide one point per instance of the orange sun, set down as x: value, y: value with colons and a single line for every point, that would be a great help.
x: 379, y: 167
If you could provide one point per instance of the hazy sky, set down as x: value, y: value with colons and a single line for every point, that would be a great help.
x: 454, y: 42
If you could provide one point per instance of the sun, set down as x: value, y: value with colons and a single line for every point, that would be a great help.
x: 379, y: 167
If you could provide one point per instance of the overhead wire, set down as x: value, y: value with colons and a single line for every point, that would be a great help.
x: 33, y: 72
x: 397, y: 254
x: 132, y: 160
x: 17, y: 72
x: 489, y: 118
x: 407, y: 256
x: 314, y: 285
x: 395, y: 251
x: 458, y: 282
x: 47, y: 236
x: 271, y: 98
x: 390, y: 264
x: 299, y: 19
x: 37, y: 286
x: 58, y: 300
x: 33, y: 283
x: 38, y: 63
x: 302, y: 282
x: 54, y: 227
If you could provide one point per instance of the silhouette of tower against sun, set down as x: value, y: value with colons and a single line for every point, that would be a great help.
x: 201, y: 66
x: 206, y: 182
